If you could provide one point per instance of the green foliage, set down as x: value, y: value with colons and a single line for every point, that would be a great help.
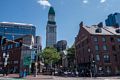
x: 71, y: 57
x: 50, y: 55
x: 71, y: 53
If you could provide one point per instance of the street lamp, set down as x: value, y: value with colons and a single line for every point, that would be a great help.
x: 90, y: 62
x: 36, y: 53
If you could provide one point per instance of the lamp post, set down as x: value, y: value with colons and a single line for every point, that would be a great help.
x: 92, y: 66
x: 90, y: 62
x: 36, y: 53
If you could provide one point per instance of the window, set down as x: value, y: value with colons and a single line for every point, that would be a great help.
x: 108, y: 69
x: 106, y: 58
x: 51, y: 29
x: 0, y: 42
x: 5, y: 48
x: 96, y: 47
x: 118, y: 31
x: 17, y: 44
x: 116, y: 59
x: 9, y: 47
x: 98, y: 30
x: 82, y: 44
x: 87, y: 41
x: 97, y: 58
x: 118, y: 39
x: 83, y: 50
x: 104, y: 47
x: 103, y: 39
x: 113, y: 48
x: 95, y: 39
x: 15, y: 62
x: 112, y: 39
x: 79, y: 46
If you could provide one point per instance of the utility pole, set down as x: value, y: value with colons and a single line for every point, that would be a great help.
x: 91, y: 59
x: 36, y: 52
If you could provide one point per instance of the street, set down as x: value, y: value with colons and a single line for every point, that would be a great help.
x: 46, y: 77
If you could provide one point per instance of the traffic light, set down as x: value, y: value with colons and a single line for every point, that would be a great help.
x: 4, y: 41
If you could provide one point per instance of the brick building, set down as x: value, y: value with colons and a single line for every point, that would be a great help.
x: 98, y: 50
x: 18, y: 52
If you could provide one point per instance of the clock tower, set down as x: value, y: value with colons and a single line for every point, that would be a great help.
x: 51, y: 29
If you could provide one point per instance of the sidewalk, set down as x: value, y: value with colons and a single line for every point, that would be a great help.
x: 47, y: 77
x: 28, y: 77
x: 10, y: 75
x: 39, y: 77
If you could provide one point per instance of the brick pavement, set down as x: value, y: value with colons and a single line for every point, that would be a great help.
x: 46, y: 77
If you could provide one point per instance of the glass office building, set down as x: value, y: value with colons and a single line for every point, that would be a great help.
x: 113, y: 20
x: 16, y: 30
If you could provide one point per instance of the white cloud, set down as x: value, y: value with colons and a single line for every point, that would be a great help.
x: 102, y: 1
x: 85, y: 1
x: 44, y: 3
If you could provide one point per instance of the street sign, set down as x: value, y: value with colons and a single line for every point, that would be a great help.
x: 27, y: 60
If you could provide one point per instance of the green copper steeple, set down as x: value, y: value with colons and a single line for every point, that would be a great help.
x: 51, y: 11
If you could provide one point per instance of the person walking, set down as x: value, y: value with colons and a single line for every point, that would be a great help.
x: 25, y: 73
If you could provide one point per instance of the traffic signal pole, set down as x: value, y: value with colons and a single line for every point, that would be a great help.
x: 35, y: 74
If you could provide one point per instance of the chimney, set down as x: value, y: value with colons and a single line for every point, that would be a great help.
x: 81, y: 24
x: 100, y: 25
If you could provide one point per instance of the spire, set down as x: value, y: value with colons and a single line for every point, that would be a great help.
x: 51, y: 11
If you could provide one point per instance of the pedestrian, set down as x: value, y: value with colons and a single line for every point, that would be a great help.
x: 24, y: 73
x: 6, y: 71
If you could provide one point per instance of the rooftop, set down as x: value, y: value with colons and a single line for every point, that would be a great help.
x: 24, y: 24
x: 51, y: 11
x: 105, y: 30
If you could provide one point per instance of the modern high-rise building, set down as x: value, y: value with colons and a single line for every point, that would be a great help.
x: 61, y: 45
x: 113, y: 20
x: 13, y: 30
x: 51, y: 29
x: 38, y: 44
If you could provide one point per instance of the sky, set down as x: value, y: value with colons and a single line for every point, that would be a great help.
x: 69, y: 13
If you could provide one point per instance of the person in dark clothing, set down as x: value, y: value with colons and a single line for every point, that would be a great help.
x: 5, y: 72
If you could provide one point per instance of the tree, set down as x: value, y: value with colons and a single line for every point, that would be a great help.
x: 50, y: 55
x: 71, y: 57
